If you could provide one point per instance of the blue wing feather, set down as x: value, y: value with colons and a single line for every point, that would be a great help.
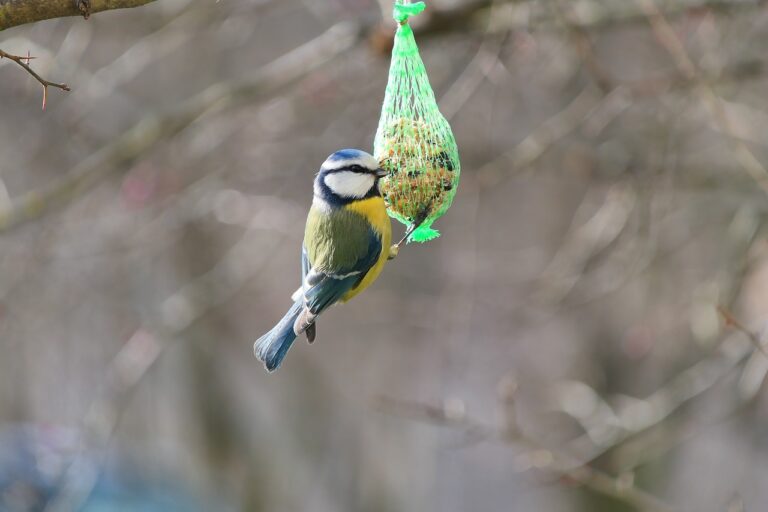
x: 322, y: 288
x: 305, y: 265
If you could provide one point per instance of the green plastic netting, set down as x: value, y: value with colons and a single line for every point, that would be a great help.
x: 414, y: 142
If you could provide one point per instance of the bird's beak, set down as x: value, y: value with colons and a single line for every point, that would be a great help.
x: 380, y: 173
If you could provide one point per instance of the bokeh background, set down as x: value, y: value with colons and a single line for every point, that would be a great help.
x: 558, y: 349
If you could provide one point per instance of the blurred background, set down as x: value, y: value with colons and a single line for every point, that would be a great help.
x: 585, y: 335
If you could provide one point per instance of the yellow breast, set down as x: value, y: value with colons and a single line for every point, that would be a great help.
x: 374, y: 210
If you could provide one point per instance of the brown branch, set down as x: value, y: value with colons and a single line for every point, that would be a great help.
x: 24, y: 63
x: 20, y: 12
x: 732, y: 321
x: 542, y: 138
x: 147, y: 133
x: 668, y: 39
x: 478, y: 69
x: 596, y: 15
x: 534, y: 457
x: 564, y: 15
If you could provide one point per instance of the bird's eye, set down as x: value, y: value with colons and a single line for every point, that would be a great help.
x: 356, y: 168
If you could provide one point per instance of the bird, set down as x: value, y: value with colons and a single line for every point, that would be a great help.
x: 346, y: 244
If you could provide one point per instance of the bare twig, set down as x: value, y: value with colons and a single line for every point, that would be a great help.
x: 481, y: 65
x: 653, y: 410
x: 584, y: 241
x: 583, y: 45
x: 732, y: 321
x: 542, y: 138
x: 595, y: 15
x: 535, y: 456
x: 655, y: 443
x: 148, y: 132
x: 24, y: 63
x: 671, y: 42
x: 598, y: 15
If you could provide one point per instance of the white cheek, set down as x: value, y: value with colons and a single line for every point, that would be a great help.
x: 349, y: 184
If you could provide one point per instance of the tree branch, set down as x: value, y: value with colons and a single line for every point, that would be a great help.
x: 24, y: 63
x: 731, y: 321
x: 20, y: 12
x: 148, y: 132
x: 534, y: 455
x: 667, y: 38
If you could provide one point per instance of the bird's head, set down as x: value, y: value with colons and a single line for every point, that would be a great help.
x: 348, y: 175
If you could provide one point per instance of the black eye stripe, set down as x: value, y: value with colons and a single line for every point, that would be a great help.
x: 351, y: 168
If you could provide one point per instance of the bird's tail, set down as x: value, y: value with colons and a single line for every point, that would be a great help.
x: 272, y: 347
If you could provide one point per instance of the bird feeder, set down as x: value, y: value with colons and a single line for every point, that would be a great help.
x: 414, y: 142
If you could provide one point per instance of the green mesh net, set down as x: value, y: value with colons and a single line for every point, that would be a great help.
x: 414, y: 142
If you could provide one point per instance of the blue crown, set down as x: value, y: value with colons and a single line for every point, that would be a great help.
x: 346, y: 154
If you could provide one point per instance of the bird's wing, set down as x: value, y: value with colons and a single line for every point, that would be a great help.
x: 305, y: 264
x: 324, y: 284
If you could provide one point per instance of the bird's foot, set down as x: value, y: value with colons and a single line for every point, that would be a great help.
x: 311, y: 332
x: 393, y: 251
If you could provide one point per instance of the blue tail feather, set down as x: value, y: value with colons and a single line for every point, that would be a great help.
x: 272, y: 347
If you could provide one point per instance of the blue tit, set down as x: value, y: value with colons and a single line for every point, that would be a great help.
x: 346, y: 243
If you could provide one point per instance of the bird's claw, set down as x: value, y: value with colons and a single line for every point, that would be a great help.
x: 394, y: 250
x: 311, y: 333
